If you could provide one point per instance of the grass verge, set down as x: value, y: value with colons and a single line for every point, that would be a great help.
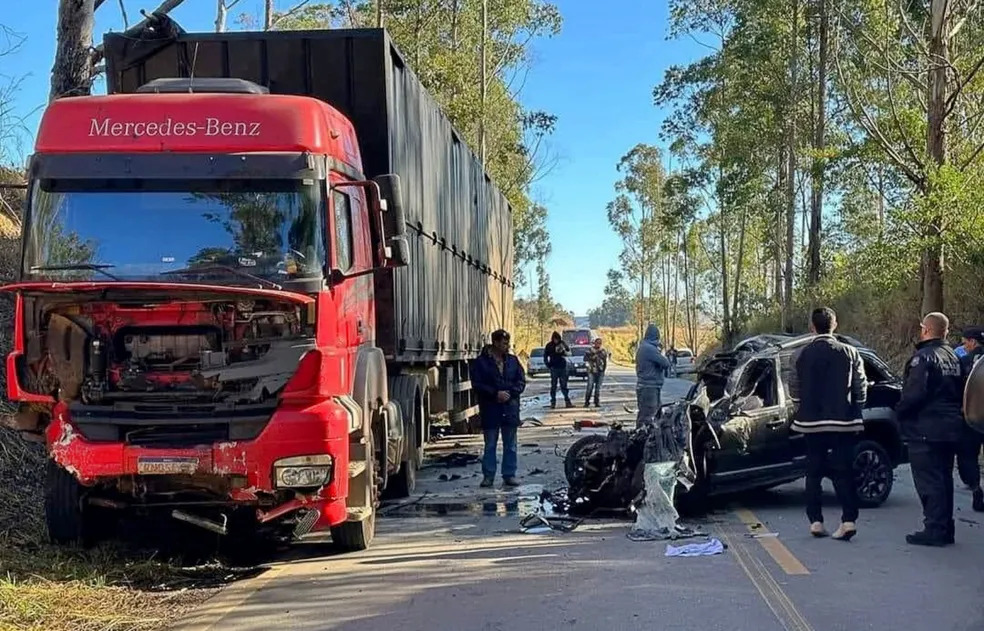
x: 115, y: 586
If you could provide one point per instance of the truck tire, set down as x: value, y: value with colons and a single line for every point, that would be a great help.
x: 355, y: 536
x: 406, y: 391
x: 574, y: 453
x: 873, y: 474
x: 64, y: 512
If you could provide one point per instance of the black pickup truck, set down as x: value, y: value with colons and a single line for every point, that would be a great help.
x: 740, y: 412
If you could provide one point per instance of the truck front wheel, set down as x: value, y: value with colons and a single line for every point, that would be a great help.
x: 357, y: 534
x: 69, y: 521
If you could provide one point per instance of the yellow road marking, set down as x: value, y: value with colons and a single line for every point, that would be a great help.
x: 779, y: 552
x: 775, y: 598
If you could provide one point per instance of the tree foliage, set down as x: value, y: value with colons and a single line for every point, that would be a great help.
x: 831, y: 148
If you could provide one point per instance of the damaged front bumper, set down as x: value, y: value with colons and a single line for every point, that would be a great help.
x: 299, y: 460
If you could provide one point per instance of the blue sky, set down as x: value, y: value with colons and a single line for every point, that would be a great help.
x: 597, y: 76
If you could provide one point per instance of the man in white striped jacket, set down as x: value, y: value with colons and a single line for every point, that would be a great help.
x: 831, y: 387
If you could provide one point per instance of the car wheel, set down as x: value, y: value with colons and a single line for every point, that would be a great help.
x: 571, y: 458
x: 873, y: 474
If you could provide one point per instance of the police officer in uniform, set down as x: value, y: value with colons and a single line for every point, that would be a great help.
x: 931, y: 421
x: 969, y: 450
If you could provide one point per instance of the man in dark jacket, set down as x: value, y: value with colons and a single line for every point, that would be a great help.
x: 651, y: 367
x: 499, y: 380
x: 931, y: 422
x: 555, y: 357
x: 831, y: 388
x: 969, y: 450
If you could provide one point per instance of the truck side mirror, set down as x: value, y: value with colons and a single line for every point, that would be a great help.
x: 388, y: 226
x: 394, y: 221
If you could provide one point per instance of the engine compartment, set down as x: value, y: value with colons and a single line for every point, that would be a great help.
x: 213, y: 351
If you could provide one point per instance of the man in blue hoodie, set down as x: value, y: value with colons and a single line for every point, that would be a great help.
x: 651, y: 367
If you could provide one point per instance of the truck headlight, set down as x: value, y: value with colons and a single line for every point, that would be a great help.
x: 302, y: 471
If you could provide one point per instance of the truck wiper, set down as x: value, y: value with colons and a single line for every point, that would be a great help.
x: 190, y: 271
x: 101, y: 268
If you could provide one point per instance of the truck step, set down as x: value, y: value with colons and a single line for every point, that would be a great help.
x: 356, y: 469
x: 358, y: 513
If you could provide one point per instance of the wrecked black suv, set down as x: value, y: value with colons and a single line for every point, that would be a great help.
x: 740, y: 412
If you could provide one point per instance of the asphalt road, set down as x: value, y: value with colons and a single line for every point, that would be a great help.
x: 454, y: 560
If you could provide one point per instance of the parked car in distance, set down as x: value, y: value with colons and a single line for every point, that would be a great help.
x: 576, y: 366
x: 683, y: 362
x: 577, y: 337
x: 740, y: 410
x: 536, y: 365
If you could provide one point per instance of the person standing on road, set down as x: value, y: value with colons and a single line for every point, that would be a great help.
x: 555, y: 356
x: 931, y: 420
x: 968, y: 453
x: 831, y: 388
x: 597, y: 362
x: 499, y: 380
x: 651, y: 367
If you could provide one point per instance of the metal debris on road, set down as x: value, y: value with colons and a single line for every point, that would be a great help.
x: 707, y: 548
x: 537, y: 471
x: 444, y: 477
x: 457, y: 459
x: 762, y: 535
x: 535, y: 523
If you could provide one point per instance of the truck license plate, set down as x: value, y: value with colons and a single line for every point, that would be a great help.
x: 166, y: 465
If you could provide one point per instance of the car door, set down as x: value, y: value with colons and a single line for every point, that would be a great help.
x: 754, y: 439
x: 795, y: 442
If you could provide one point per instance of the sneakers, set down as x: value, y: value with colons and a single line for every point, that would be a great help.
x: 923, y: 538
x: 487, y: 482
x: 978, y: 504
x: 845, y: 531
x: 510, y: 482
x: 817, y: 529
x: 569, y: 404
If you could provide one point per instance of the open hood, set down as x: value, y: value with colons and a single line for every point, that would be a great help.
x: 108, y: 289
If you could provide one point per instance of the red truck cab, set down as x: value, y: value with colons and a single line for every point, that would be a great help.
x: 195, y: 315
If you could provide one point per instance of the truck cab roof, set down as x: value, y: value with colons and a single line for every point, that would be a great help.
x: 197, y: 123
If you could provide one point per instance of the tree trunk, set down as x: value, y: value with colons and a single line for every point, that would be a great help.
x: 379, y: 13
x: 267, y: 15
x: 483, y: 77
x: 778, y: 233
x: 787, y: 298
x: 725, y: 286
x: 938, y: 61
x: 676, y: 288
x: 221, y: 13
x: 736, y: 306
x: 819, y: 145
x: 71, y: 74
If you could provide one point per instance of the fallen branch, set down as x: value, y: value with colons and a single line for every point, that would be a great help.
x: 98, y: 53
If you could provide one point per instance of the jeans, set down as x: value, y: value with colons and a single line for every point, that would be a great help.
x: 648, y: 400
x: 932, y: 474
x: 509, y: 451
x: 967, y: 458
x: 595, y: 380
x: 558, y: 375
x: 838, y: 466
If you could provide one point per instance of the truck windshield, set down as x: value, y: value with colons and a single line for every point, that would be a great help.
x: 233, y: 231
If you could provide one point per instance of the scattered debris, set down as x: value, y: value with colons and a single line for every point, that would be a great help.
x: 582, y: 424
x: 530, y: 445
x: 969, y: 521
x: 762, y: 535
x: 531, y: 420
x: 457, y: 459
x: 444, y: 477
x: 535, y: 523
x: 707, y: 548
x: 537, y: 471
